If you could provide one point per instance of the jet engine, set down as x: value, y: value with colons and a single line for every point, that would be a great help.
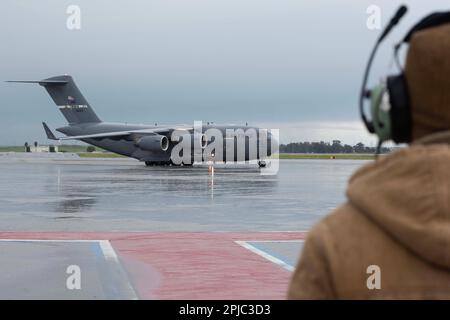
x: 153, y: 143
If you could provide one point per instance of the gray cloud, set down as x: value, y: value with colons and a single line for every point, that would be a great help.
x: 166, y: 61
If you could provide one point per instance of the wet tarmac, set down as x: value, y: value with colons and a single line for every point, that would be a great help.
x: 124, y: 195
x: 157, y: 232
x: 48, y: 278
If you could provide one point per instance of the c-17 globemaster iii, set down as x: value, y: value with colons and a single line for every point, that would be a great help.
x: 152, y: 144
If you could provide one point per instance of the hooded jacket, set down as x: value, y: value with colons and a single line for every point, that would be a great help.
x: 396, y: 223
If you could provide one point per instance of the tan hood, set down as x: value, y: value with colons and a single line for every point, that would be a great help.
x: 407, y: 194
x: 427, y: 69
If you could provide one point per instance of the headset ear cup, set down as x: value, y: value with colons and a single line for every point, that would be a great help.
x: 380, y: 112
x: 397, y: 88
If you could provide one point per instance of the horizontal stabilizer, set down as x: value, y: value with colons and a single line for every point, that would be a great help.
x: 41, y: 82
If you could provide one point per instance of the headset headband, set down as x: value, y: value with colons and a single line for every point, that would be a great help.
x: 430, y: 21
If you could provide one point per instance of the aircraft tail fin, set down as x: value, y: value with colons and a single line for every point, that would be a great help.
x: 68, y: 98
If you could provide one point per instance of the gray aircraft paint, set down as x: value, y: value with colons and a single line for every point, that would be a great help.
x: 82, y: 121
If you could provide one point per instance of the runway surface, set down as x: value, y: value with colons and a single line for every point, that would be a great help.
x: 168, y: 232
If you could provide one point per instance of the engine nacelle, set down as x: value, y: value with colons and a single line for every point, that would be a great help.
x: 153, y: 143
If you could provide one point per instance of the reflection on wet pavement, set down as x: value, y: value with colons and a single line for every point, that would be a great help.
x: 124, y: 195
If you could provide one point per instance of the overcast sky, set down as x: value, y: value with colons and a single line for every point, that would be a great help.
x: 289, y: 64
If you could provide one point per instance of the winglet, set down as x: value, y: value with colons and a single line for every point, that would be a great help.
x: 49, y: 132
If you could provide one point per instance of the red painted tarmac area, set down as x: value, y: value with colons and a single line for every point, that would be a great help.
x: 195, y: 265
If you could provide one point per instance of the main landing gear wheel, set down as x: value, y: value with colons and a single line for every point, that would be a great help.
x: 167, y: 163
x: 262, y: 164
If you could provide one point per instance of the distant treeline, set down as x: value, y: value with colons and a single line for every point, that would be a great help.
x: 325, y: 147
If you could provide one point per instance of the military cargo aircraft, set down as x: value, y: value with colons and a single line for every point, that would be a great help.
x: 151, y: 144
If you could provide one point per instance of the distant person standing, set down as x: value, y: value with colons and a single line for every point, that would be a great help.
x: 391, y: 239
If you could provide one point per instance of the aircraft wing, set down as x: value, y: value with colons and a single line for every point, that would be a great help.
x: 164, y: 130
x: 97, y: 135
x: 51, y: 136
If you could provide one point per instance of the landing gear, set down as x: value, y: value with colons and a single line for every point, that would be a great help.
x: 166, y: 163
x: 262, y: 164
x: 158, y: 163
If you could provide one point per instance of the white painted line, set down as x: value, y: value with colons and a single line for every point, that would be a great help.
x: 110, y: 255
x: 108, y: 250
x: 265, y: 255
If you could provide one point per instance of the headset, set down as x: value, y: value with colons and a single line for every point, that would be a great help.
x: 390, y: 100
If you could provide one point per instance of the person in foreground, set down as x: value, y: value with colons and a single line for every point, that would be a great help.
x: 391, y: 239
